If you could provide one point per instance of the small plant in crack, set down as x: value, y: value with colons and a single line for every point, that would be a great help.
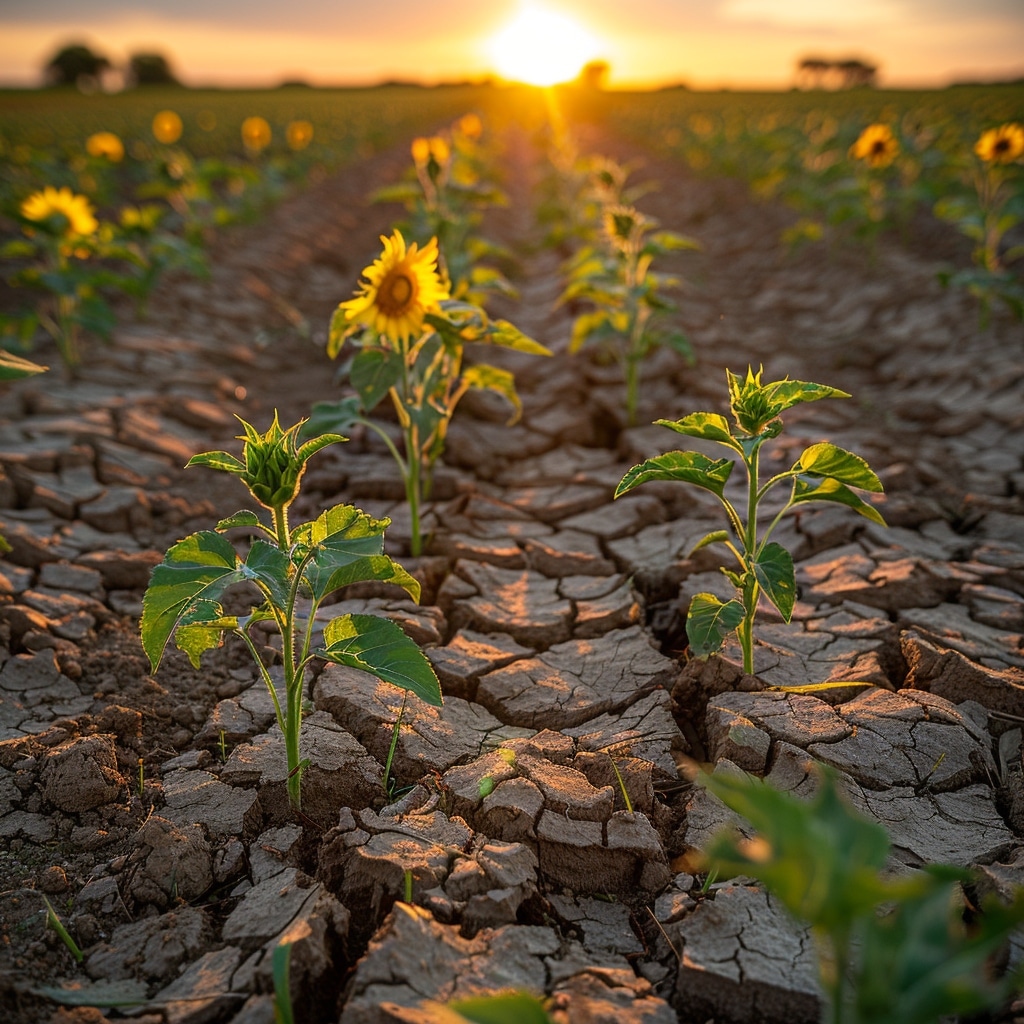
x: 293, y: 569
x: 824, y: 472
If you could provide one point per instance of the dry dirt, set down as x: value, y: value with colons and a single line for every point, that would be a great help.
x: 546, y: 607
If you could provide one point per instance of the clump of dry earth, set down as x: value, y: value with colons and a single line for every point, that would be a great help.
x: 151, y: 810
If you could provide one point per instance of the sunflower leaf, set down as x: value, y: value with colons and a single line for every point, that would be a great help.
x: 374, y: 372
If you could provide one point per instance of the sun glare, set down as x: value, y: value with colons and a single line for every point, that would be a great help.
x: 542, y: 47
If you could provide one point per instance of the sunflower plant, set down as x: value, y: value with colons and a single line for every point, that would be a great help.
x: 891, y: 950
x: 57, y: 256
x: 985, y: 212
x: 629, y: 308
x: 409, y: 338
x: 823, y: 472
x: 293, y: 570
x: 445, y: 200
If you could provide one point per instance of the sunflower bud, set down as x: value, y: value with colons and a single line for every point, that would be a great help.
x: 272, y: 464
x: 751, y: 404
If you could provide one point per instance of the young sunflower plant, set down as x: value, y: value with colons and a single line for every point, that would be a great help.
x: 824, y: 472
x: 409, y: 339
x: 985, y: 212
x: 57, y: 257
x: 293, y: 569
x: 629, y: 307
x: 445, y: 201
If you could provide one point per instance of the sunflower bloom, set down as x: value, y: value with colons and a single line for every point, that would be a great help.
x: 471, y: 126
x: 167, y: 127
x: 255, y: 133
x: 876, y: 146
x: 299, y: 135
x: 106, y: 145
x: 76, y: 211
x: 400, y: 289
x: 1001, y: 145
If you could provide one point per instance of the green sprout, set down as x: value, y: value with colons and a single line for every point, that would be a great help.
x: 293, y: 569
x: 824, y: 472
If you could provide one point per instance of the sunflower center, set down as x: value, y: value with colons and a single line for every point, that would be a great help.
x: 397, y: 292
x: 1002, y: 145
x: 878, y: 147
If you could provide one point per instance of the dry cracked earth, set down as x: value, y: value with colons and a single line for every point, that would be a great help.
x: 151, y: 809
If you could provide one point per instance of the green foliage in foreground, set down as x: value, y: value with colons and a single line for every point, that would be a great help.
x: 904, y: 950
x: 824, y: 472
x: 293, y: 569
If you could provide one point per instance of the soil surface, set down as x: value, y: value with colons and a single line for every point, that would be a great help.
x: 149, y: 809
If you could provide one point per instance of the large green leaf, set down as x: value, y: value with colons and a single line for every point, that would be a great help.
x: 267, y: 565
x: 807, y: 489
x: 374, y: 372
x: 826, y: 459
x: 707, y: 425
x: 709, y: 621
x: 774, y: 571
x: 688, y: 467
x: 380, y: 647
x: 920, y: 962
x: 202, y: 566
x: 819, y: 857
x: 324, y: 575
x: 332, y: 416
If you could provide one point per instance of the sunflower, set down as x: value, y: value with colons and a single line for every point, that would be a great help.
x: 400, y: 289
x: 299, y: 134
x: 106, y: 145
x: 255, y: 133
x: 167, y: 127
x: 471, y: 126
x: 1001, y: 145
x: 876, y: 146
x: 624, y: 226
x: 74, y: 212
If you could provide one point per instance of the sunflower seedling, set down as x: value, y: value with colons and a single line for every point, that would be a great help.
x: 410, y: 342
x: 293, y: 570
x: 891, y: 950
x: 824, y: 472
x: 614, y: 276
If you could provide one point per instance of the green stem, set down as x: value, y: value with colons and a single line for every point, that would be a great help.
x: 413, y: 492
x: 745, y: 632
x: 292, y: 679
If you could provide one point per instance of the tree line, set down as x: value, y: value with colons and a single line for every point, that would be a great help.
x: 79, y: 65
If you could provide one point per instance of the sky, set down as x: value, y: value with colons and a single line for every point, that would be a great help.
x: 647, y: 43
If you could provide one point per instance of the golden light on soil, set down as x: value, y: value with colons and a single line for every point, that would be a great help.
x: 542, y: 47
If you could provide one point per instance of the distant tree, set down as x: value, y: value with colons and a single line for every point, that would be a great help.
x: 812, y: 71
x: 75, y: 64
x: 856, y: 73
x: 594, y: 74
x: 150, y: 69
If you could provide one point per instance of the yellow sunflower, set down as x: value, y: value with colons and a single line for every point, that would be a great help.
x: 255, y: 133
x: 1001, y: 145
x: 400, y: 289
x: 167, y: 127
x: 75, y: 211
x: 471, y: 126
x: 876, y: 146
x: 106, y: 145
x: 299, y: 134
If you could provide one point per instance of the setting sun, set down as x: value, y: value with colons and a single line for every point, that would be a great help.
x: 542, y: 47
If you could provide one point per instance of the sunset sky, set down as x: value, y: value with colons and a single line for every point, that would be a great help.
x: 705, y: 43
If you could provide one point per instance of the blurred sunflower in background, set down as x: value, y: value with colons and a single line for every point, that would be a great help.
x: 401, y: 287
x: 105, y: 145
x: 63, y: 212
x: 256, y: 133
x: 167, y: 127
x: 1001, y: 145
x: 299, y: 134
x: 876, y: 146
